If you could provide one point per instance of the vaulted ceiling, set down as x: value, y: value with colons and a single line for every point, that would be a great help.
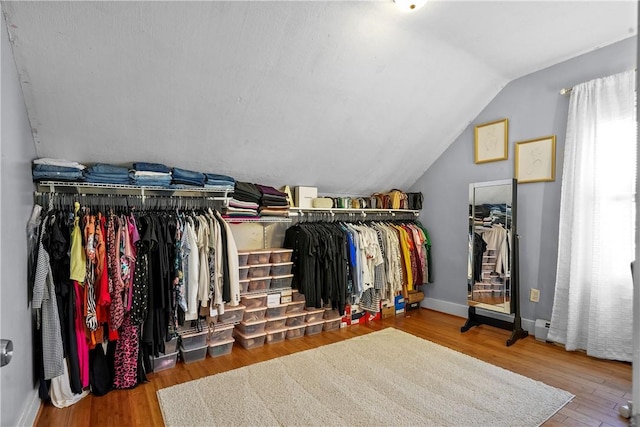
x: 350, y: 96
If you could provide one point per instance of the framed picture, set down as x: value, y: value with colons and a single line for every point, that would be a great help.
x: 491, y: 141
x: 535, y: 160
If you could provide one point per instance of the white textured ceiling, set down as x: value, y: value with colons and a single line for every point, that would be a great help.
x: 352, y: 97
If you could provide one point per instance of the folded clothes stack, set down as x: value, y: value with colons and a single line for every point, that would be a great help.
x: 184, y: 177
x: 150, y: 175
x: 240, y: 209
x: 272, y: 202
x: 215, y: 180
x: 103, y: 173
x: 247, y: 192
x: 47, y: 169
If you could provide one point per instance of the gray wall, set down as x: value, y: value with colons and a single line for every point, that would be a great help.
x: 534, y: 108
x: 18, y: 399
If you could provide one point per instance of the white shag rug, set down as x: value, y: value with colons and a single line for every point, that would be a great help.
x: 385, y: 378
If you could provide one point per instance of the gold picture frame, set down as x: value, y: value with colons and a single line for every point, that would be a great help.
x: 535, y: 160
x: 492, y: 141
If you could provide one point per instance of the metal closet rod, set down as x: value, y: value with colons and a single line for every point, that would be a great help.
x: 122, y: 201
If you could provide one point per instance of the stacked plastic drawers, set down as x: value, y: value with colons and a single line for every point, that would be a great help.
x: 265, y: 269
x: 166, y: 360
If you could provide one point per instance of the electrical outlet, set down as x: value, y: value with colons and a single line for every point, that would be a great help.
x: 534, y: 295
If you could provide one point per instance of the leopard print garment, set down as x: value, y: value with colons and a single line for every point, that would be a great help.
x: 126, y: 356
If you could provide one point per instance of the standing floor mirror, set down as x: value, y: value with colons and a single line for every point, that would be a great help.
x: 492, y: 278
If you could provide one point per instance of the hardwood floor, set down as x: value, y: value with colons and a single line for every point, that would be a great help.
x: 600, y: 386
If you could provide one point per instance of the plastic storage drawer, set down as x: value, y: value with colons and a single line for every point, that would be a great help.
x: 243, y: 272
x: 220, y: 333
x: 314, y: 328
x: 194, y: 355
x: 281, y: 269
x: 251, y: 328
x: 295, y: 332
x: 259, y: 284
x: 296, y: 319
x: 331, y: 314
x: 332, y: 324
x: 259, y: 257
x: 194, y: 340
x: 297, y: 296
x: 276, y: 335
x: 276, y: 323
x: 280, y: 282
x: 281, y: 255
x: 295, y: 307
x: 164, y: 361
x: 243, y: 258
x: 221, y: 348
x: 314, y: 314
x: 276, y: 311
x: 261, y: 270
x: 254, y: 301
x: 231, y: 314
x: 254, y: 314
x: 244, y: 286
x: 251, y: 341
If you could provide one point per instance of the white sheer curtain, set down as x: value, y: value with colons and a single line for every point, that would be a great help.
x: 592, y: 309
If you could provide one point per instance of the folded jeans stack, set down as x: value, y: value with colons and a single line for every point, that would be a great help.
x: 47, y: 169
x: 187, y: 177
x: 150, y: 175
x: 103, y: 173
x: 216, y: 180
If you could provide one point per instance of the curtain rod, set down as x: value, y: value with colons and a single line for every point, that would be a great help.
x: 568, y: 90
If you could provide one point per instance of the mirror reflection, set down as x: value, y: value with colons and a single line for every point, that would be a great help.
x: 491, y: 228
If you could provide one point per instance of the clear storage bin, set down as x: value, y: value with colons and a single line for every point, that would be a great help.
x: 194, y: 355
x: 331, y: 314
x: 254, y: 314
x: 332, y: 324
x: 251, y: 341
x: 231, y: 314
x: 276, y: 323
x: 259, y: 284
x: 314, y: 314
x: 295, y: 307
x: 244, y: 286
x: 276, y: 335
x: 253, y: 301
x: 220, y: 333
x: 259, y: 270
x: 259, y: 257
x: 280, y: 255
x: 281, y: 269
x: 164, y: 361
x: 194, y: 340
x: 250, y: 328
x: 314, y: 328
x: 295, y: 332
x: 221, y: 348
x: 296, y: 319
x: 243, y: 272
x: 280, y: 282
x: 297, y: 296
x: 276, y: 311
x: 243, y: 258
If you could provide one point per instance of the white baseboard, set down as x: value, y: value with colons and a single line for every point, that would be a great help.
x: 461, y: 310
x: 30, y: 410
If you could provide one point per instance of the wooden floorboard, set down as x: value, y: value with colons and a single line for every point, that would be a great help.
x: 600, y: 386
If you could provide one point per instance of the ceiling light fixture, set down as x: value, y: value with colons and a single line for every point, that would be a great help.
x: 409, y: 5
